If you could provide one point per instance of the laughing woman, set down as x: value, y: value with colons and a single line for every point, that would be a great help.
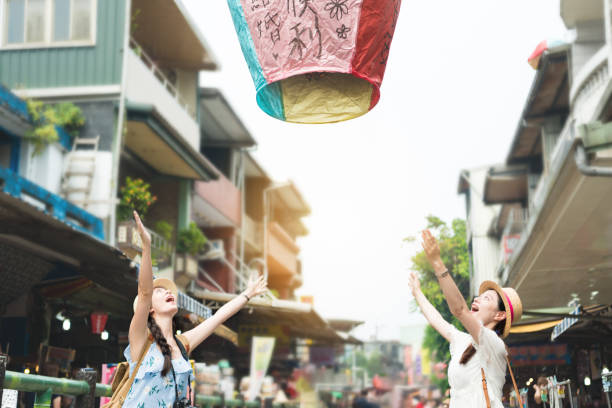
x: 487, y: 323
x: 163, y: 377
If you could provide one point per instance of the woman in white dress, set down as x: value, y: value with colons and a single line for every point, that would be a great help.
x: 487, y: 323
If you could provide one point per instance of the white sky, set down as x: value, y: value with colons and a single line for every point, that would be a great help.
x: 455, y: 85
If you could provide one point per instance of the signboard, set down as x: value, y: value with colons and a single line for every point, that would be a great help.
x: 565, y: 323
x: 261, y: 354
x: 540, y: 355
x: 9, y: 398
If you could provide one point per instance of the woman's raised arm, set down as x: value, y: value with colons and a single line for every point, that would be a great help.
x: 199, y: 333
x: 434, y: 317
x: 456, y: 302
x: 138, y: 326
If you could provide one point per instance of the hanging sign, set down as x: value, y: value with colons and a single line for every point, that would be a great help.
x: 316, y: 61
x: 565, y: 323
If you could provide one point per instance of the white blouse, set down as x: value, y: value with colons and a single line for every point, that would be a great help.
x: 466, y: 379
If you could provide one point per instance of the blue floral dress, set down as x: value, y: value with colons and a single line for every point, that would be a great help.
x: 150, y: 389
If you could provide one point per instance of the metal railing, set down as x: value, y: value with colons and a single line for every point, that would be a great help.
x: 85, y: 389
x: 161, y: 77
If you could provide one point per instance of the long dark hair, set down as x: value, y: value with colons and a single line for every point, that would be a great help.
x: 499, y: 329
x: 162, y: 343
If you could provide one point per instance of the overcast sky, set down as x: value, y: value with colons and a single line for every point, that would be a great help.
x: 455, y: 85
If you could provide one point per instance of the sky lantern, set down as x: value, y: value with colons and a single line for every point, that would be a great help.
x: 316, y: 61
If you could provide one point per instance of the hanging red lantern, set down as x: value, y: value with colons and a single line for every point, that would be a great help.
x: 98, y: 322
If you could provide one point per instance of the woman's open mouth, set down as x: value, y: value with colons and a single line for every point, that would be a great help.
x: 170, y: 299
x: 474, y: 307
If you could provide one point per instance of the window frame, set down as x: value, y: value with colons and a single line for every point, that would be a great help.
x: 49, y: 28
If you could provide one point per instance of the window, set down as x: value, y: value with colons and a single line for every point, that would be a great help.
x: 49, y: 22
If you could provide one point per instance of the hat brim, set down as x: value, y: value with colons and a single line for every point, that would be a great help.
x: 486, y: 285
x: 160, y: 283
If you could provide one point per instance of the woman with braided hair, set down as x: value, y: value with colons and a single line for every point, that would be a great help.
x: 481, y: 352
x: 164, y: 373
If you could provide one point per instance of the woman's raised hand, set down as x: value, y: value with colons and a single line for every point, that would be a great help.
x: 257, y: 285
x: 414, y: 283
x: 432, y: 249
x: 145, y: 237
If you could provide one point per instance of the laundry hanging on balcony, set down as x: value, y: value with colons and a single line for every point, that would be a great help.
x: 316, y: 61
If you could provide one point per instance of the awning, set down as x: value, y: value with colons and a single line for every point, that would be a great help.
x: 150, y: 139
x: 219, y: 124
x: 30, y: 229
x: 291, y: 198
x: 548, y: 96
x: 300, y: 319
x: 183, y: 46
x: 506, y: 184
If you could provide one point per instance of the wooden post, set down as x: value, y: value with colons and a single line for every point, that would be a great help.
x: 87, y: 400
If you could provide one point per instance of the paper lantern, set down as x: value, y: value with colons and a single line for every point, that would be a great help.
x: 98, y: 321
x: 316, y: 61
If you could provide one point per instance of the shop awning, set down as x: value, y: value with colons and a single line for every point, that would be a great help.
x: 506, y: 184
x: 28, y: 228
x: 152, y: 141
x: 292, y: 199
x: 548, y: 96
x: 219, y: 124
x: 300, y: 319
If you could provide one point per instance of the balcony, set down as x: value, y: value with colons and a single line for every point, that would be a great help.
x: 162, y: 251
x: 148, y: 85
x: 217, y: 203
x: 52, y: 204
x: 282, y: 252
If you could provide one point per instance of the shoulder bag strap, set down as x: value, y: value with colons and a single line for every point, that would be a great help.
x: 486, y: 392
x: 484, y: 387
x: 518, y: 395
x: 143, y: 352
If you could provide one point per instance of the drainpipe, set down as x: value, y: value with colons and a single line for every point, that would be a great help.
x: 582, y: 162
x: 112, y: 229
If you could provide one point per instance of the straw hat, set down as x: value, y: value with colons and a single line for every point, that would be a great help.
x: 161, y: 283
x: 512, y: 303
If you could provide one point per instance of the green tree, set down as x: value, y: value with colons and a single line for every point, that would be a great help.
x: 454, y: 253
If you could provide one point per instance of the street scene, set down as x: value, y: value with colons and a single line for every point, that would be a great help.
x: 305, y: 203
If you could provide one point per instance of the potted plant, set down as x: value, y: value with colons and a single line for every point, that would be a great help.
x: 49, y: 121
x: 135, y: 195
x: 190, y: 242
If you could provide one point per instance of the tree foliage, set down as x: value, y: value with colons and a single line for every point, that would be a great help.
x: 454, y: 253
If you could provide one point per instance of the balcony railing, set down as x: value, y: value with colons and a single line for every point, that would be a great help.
x: 148, y: 85
x: 163, y: 79
x: 54, y: 205
x: 128, y: 240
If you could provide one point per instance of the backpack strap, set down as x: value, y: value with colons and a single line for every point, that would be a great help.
x: 183, y: 345
x: 143, y: 352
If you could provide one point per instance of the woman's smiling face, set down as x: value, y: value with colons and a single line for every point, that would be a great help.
x: 163, y: 301
x: 486, y: 308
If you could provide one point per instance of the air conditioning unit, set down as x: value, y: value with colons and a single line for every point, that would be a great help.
x: 215, y: 250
